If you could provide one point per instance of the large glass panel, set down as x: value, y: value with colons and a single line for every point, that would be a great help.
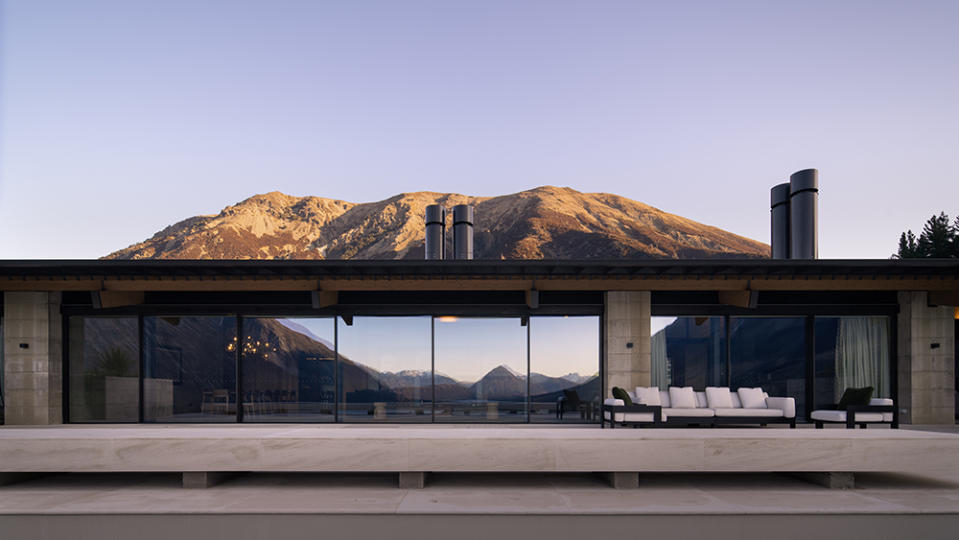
x: 564, y: 369
x: 104, y: 369
x: 770, y: 352
x: 385, y: 369
x: 851, y: 352
x: 481, y: 367
x: 190, y: 369
x: 688, y: 351
x: 288, y: 369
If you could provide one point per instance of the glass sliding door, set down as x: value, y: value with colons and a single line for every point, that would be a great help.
x: 190, y: 369
x: 564, y: 369
x: 688, y: 351
x: 288, y: 369
x: 481, y: 369
x: 851, y: 352
x: 385, y: 369
x: 104, y: 360
x: 769, y: 352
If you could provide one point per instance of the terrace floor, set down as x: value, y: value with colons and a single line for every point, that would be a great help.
x: 920, y: 503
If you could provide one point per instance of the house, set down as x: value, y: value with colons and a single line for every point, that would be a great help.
x: 164, y: 341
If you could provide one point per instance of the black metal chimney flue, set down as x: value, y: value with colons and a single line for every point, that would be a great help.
x: 804, y: 214
x: 779, y: 220
x: 435, y: 232
x: 794, y: 217
x: 462, y: 232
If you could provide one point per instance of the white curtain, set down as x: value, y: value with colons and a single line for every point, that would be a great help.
x: 862, y: 354
x: 659, y: 370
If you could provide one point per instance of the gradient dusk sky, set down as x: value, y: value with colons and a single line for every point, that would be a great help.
x: 119, y: 118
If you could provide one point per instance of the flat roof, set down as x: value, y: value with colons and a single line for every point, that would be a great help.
x: 650, y: 274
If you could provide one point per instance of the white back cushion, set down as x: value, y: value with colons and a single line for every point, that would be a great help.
x: 647, y: 395
x: 752, y: 398
x: 632, y: 395
x: 736, y: 403
x: 719, y: 397
x: 664, y: 398
x: 682, y: 398
x: 701, y: 401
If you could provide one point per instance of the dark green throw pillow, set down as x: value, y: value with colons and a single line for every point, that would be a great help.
x: 619, y: 393
x: 855, y: 396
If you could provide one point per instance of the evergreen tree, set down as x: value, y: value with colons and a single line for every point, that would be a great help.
x: 907, y: 246
x: 939, y: 239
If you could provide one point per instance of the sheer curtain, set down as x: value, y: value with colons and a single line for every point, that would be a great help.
x: 862, y: 354
x: 659, y: 370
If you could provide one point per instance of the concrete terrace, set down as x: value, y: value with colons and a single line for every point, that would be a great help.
x: 916, y: 495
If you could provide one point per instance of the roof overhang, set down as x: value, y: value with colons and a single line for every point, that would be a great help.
x: 478, y: 275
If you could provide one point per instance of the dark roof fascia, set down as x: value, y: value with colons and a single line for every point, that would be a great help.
x: 482, y: 268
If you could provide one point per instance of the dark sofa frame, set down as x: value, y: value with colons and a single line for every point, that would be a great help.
x: 657, y: 411
x: 851, y: 411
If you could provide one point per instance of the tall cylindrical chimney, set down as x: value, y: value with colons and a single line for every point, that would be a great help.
x: 435, y: 232
x: 779, y: 220
x: 804, y: 214
x: 462, y: 232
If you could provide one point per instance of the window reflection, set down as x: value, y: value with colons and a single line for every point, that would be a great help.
x: 385, y: 369
x: 770, y: 352
x: 564, y: 369
x: 190, y: 369
x: 288, y: 369
x: 481, y: 366
x: 104, y: 369
x: 688, y: 351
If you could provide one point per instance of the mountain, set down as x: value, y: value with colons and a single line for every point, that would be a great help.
x: 412, y: 378
x: 500, y: 383
x: 576, y: 378
x: 542, y: 223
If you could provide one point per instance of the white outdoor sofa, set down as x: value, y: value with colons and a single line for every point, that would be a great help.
x: 684, y: 406
x: 879, y: 411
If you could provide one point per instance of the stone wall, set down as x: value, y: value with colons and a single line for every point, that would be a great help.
x: 626, y: 343
x: 926, y: 375
x: 33, y: 351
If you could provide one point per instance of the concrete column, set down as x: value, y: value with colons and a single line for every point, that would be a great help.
x: 33, y: 352
x: 627, y: 340
x: 926, y: 358
x: 203, y: 480
x: 623, y: 480
x: 412, y: 480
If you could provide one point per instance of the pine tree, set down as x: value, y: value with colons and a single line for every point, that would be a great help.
x: 907, y: 246
x: 939, y: 239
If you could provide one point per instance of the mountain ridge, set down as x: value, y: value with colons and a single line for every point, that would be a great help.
x: 541, y: 223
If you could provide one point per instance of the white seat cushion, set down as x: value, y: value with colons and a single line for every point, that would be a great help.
x: 719, y: 397
x: 752, y: 398
x: 647, y: 395
x: 627, y: 417
x: 682, y: 398
x: 840, y: 416
x: 632, y: 417
x: 763, y: 413
x: 886, y: 416
x: 688, y: 412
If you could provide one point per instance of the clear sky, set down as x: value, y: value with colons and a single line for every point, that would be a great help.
x: 118, y: 118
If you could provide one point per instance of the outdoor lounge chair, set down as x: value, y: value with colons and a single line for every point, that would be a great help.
x: 879, y: 411
x: 857, y: 406
x: 570, y: 401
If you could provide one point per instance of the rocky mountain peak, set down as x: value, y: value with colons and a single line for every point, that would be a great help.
x: 546, y: 222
